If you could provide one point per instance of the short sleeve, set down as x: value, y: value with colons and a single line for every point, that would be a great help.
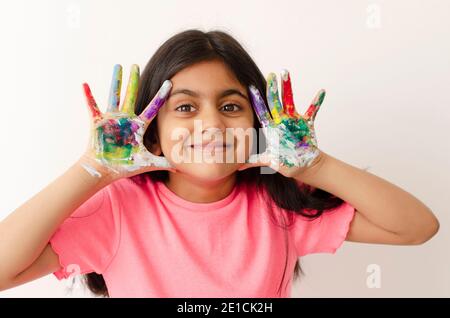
x: 324, y: 234
x: 87, y: 240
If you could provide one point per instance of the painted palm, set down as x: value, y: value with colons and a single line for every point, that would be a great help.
x: 291, y: 140
x: 117, y: 134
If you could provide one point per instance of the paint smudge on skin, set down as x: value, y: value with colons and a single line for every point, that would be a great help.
x: 91, y: 170
x: 117, y: 136
x: 116, y: 140
x: 260, y: 106
x: 291, y: 139
x: 286, y: 92
x: 273, y: 99
x: 119, y: 144
x: 315, y: 105
x: 116, y: 85
x: 132, y: 88
x: 158, y: 101
x: 296, y: 144
x: 95, y: 112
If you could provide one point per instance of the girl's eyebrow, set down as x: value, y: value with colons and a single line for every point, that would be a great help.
x: 225, y: 93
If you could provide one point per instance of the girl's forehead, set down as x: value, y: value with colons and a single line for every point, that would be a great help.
x: 205, y: 74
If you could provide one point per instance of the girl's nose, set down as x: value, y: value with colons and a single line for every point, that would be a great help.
x: 211, y: 120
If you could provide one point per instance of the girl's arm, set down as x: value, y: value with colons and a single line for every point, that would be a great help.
x: 384, y: 214
x: 25, y: 233
x: 25, y: 253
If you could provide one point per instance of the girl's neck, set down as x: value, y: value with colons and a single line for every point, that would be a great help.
x: 200, y: 191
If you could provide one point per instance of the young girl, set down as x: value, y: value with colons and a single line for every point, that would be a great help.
x: 140, y: 217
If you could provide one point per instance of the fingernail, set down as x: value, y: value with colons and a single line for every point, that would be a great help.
x: 273, y: 85
x: 321, y: 98
x: 135, y: 68
x: 165, y: 88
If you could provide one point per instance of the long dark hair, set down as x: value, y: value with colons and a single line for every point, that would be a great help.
x: 190, y: 47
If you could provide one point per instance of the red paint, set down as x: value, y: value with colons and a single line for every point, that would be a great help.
x: 310, y: 111
x: 91, y: 101
x: 288, y: 99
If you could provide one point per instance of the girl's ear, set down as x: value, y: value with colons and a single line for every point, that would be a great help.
x: 156, y: 146
x: 151, y: 141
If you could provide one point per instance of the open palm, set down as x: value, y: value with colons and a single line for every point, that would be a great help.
x: 117, y: 135
x: 291, y: 140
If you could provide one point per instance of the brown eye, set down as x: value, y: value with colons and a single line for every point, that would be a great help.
x: 186, y: 108
x: 231, y: 107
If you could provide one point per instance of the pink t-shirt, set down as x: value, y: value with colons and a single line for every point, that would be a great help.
x: 148, y: 242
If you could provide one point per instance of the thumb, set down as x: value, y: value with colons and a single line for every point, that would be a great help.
x: 256, y: 160
x: 150, y: 162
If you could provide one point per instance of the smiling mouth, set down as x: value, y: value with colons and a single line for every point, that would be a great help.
x: 210, y: 147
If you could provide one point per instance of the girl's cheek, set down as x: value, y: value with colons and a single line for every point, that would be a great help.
x: 173, y: 147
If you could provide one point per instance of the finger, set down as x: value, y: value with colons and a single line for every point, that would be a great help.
x: 132, y: 89
x: 273, y: 98
x: 114, y: 92
x: 93, y: 108
x: 315, y: 105
x: 286, y: 95
x: 259, y: 106
x: 157, y: 102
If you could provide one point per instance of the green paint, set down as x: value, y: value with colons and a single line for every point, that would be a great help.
x: 117, y: 141
x: 295, y: 134
x: 321, y: 97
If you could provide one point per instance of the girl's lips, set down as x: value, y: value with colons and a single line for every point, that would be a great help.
x: 209, y: 147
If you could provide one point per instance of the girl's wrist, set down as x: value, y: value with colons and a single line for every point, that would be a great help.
x: 312, y: 172
x: 95, y: 171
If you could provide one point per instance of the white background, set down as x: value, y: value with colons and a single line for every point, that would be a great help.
x: 385, y: 66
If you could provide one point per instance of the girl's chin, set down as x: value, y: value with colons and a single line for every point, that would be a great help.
x: 208, y: 171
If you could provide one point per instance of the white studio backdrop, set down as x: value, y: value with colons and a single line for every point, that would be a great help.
x: 385, y: 66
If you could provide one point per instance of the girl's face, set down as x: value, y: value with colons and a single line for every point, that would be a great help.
x: 205, y: 128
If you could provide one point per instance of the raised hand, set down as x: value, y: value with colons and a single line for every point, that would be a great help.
x: 291, y: 140
x: 116, y: 140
